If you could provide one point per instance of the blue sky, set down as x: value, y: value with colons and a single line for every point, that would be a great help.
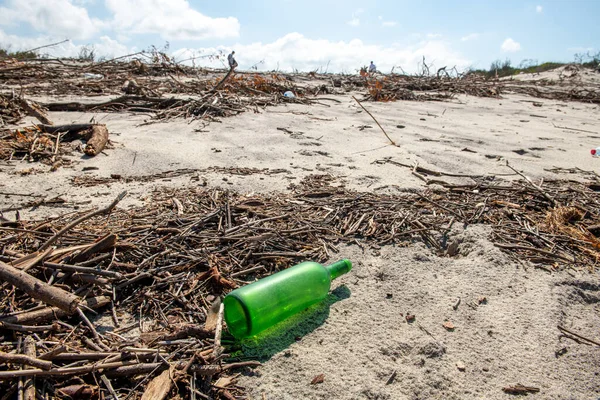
x: 306, y: 35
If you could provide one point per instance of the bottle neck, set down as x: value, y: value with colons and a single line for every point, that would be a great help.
x: 339, y: 268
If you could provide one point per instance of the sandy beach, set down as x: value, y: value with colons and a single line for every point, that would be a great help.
x: 505, y: 312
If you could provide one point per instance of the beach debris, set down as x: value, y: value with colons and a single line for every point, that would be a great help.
x: 147, y: 267
x: 377, y: 122
x: 461, y: 366
x: 448, y: 325
x: 482, y: 300
x: 520, y: 389
x: 456, y: 304
x: 49, y: 143
x: 296, y: 287
x: 318, y: 379
x: 391, y: 378
x: 578, y: 337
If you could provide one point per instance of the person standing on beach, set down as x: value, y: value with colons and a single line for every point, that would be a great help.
x: 231, y: 60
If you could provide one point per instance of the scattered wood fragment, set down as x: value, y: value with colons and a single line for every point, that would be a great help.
x: 565, y: 330
x: 39, y: 289
x: 377, y: 122
x: 98, y: 137
x: 520, y: 389
x: 159, y: 387
x: 24, y: 359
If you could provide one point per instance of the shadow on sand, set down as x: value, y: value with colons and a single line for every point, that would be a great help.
x: 279, y: 337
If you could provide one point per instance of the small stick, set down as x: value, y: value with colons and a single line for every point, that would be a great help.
x: 12, y: 374
x: 91, y: 326
x: 109, y: 387
x: 29, y: 384
x: 53, y: 353
x: 28, y: 328
x: 217, y: 350
x: 378, y: 124
x: 25, y: 360
x: 79, y: 220
x: 577, y: 336
x: 536, y: 187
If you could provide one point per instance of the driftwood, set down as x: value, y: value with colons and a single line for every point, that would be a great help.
x: 29, y: 349
x: 98, y: 137
x: 49, y: 313
x: 39, y: 289
x: 24, y: 359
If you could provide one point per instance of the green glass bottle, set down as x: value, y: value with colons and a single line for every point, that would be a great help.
x: 262, y: 304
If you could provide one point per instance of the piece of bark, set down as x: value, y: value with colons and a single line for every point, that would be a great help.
x: 34, y: 110
x: 101, y: 245
x: 159, y: 387
x: 52, y: 313
x: 97, y: 141
x: 213, y: 316
x: 82, y: 391
x: 39, y: 289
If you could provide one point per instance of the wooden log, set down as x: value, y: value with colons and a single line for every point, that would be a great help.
x: 39, y: 289
x: 52, y: 313
x: 97, y: 141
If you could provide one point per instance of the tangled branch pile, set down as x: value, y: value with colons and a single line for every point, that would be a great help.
x: 421, y: 88
x: 154, y: 273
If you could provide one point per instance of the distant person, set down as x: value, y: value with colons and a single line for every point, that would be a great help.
x: 231, y: 60
x: 372, y: 68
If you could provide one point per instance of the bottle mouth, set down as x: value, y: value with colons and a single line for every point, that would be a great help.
x: 593, y: 151
x: 237, y: 316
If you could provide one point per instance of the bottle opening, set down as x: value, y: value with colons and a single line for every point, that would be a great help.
x: 236, y: 316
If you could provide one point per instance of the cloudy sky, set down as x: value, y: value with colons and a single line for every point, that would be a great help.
x: 340, y: 35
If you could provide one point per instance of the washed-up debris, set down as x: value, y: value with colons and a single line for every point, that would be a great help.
x: 520, y: 389
x: 48, y: 143
x: 152, y: 273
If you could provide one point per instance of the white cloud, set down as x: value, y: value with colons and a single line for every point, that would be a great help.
x: 294, y: 51
x: 539, y: 9
x: 581, y: 49
x: 103, y: 47
x: 172, y: 19
x: 57, y: 18
x: 389, y: 24
x: 471, y: 36
x: 355, y: 21
x: 434, y: 35
x: 510, y: 46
